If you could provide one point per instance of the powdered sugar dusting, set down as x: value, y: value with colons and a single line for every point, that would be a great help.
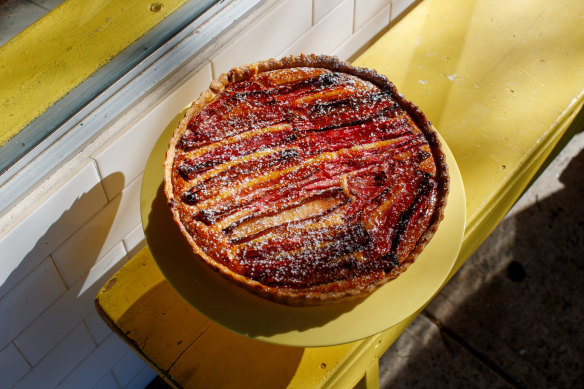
x: 303, y: 176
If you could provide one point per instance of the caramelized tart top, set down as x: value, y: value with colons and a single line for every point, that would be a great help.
x: 306, y: 184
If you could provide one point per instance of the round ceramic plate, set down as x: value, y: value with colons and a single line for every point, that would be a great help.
x: 240, y: 311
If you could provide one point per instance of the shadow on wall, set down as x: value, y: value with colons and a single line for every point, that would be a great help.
x: 512, y: 315
x: 55, y: 308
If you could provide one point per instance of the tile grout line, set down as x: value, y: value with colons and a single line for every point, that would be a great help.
x: 474, y: 352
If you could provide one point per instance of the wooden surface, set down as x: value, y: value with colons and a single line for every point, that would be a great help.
x: 188, y: 349
x: 501, y: 81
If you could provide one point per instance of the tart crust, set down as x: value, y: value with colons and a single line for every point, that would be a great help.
x: 222, y: 260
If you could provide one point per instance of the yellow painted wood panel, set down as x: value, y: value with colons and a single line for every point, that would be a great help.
x: 187, y: 348
x: 64, y: 48
x: 494, y: 76
x: 136, y: 278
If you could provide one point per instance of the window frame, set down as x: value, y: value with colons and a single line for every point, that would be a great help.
x: 75, y: 127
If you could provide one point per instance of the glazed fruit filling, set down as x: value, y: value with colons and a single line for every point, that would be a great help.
x: 304, y: 176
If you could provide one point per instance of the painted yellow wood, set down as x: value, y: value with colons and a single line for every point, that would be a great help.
x: 187, y: 349
x: 501, y: 80
x: 64, y: 48
x: 371, y: 378
x: 137, y: 277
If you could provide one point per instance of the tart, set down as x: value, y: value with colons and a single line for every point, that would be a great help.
x: 306, y: 180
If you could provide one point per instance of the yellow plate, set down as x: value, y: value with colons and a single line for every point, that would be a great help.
x: 242, y: 312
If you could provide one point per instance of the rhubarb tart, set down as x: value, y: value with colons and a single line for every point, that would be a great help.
x: 306, y: 180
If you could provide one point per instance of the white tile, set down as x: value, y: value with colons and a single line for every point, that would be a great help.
x: 128, y: 368
x: 13, y: 366
x: 97, y: 327
x: 363, y: 35
x: 46, y: 227
x: 275, y: 31
x: 92, y: 368
x: 124, y: 159
x: 329, y: 33
x: 108, y: 381
x: 28, y: 299
x: 135, y: 241
x: 82, y: 250
x: 399, y: 6
x: 321, y: 8
x: 142, y: 379
x: 53, y: 324
x: 366, y: 9
x: 60, y: 361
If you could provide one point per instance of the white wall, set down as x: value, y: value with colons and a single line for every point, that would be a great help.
x: 54, y: 261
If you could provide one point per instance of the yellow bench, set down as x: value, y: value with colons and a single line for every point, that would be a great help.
x: 502, y: 83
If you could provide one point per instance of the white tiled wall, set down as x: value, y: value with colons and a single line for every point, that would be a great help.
x: 321, y: 8
x: 53, y: 263
x: 329, y: 32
